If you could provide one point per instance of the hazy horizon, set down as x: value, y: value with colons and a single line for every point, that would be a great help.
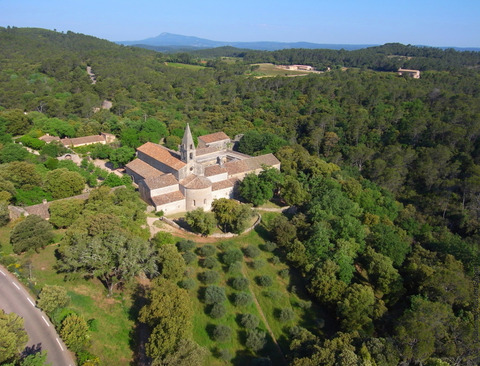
x: 423, y: 22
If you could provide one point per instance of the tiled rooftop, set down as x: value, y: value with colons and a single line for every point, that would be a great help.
x: 222, y: 184
x: 195, y: 182
x: 214, y: 170
x: 162, y: 154
x: 168, y: 198
x: 214, y: 137
x: 143, y: 169
x: 161, y: 181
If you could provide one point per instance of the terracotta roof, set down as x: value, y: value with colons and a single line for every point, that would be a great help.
x: 86, y: 140
x: 168, y: 198
x: 257, y: 161
x: 222, y: 185
x: 236, y: 167
x: 162, y: 154
x: 214, y: 170
x: 195, y: 182
x: 161, y: 181
x: 47, y: 138
x: 206, y: 150
x: 213, y: 137
x: 143, y: 169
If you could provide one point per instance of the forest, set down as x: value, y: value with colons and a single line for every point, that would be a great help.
x: 383, y: 171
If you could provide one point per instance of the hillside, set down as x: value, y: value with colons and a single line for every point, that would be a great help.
x: 379, y: 252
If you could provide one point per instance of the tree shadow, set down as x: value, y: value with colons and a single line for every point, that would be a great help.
x: 31, y: 350
x: 140, y: 333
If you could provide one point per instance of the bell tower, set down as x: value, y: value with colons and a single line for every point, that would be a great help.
x: 187, y: 148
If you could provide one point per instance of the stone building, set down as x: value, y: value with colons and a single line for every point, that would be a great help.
x: 195, y: 176
x: 103, y: 138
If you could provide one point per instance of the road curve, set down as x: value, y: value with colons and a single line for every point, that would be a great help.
x: 41, y: 333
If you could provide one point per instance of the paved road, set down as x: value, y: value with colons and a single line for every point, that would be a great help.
x: 41, y: 333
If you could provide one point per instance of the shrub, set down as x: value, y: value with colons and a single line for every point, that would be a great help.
x: 31, y: 233
x: 249, y: 321
x: 87, y: 358
x: 162, y: 238
x: 200, y: 221
x: 259, y: 263
x: 305, y: 305
x: 235, y: 267
x: 285, y: 314
x: 255, y: 339
x: 275, y: 260
x: 189, y: 257
x: 251, y: 251
x: 159, y: 213
x: 239, y: 283
x: 242, y: 299
x: 74, y: 332
x: 221, y: 333
x: 210, y: 262
x: 232, y: 256
x: 269, y: 246
x: 217, y: 311
x: 215, y: 295
x: 187, y: 283
x: 51, y: 298
x: 264, y: 281
x: 209, y: 277
x: 207, y: 250
x: 284, y: 273
x: 225, y: 355
x: 185, y: 245
x: 274, y: 295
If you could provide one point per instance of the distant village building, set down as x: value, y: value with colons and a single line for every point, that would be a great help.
x: 297, y: 67
x: 195, y: 176
x: 412, y: 73
x: 103, y: 138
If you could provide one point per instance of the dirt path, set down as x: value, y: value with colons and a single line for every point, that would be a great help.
x: 262, y: 315
x: 177, y: 232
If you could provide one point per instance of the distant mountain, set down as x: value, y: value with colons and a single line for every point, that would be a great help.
x: 188, y: 42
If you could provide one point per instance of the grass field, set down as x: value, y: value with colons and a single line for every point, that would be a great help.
x: 115, y: 316
x: 270, y: 70
x: 185, y: 66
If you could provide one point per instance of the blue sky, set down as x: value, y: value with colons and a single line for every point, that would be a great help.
x: 420, y: 22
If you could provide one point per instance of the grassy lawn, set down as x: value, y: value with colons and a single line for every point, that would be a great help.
x: 185, y: 66
x: 110, y: 341
x: 271, y: 299
x: 270, y: 70
x: 111, y: 338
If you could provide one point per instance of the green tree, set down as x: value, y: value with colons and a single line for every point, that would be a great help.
x: 12, y: 152
x: 62, y: 183
x: 64, y: 213
x: 255, y: 190
x: 170, y: 262
x: 22, y: 174
x: 357, y: 308
x: 122, y: 156
x: 168, y: 313
x: 114, y: 258
x: 200, y: 221
x: 187, y: 352
x: 37, y: 359
x: 31, y: 233
x: 13, y: 336
x: 4, y: 214
x: 74, y: 332
x: 255, y: 339
x: 52, y: 298
x: 230, y: 215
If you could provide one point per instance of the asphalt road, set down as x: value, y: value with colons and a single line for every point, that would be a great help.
x: 41, y: 333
